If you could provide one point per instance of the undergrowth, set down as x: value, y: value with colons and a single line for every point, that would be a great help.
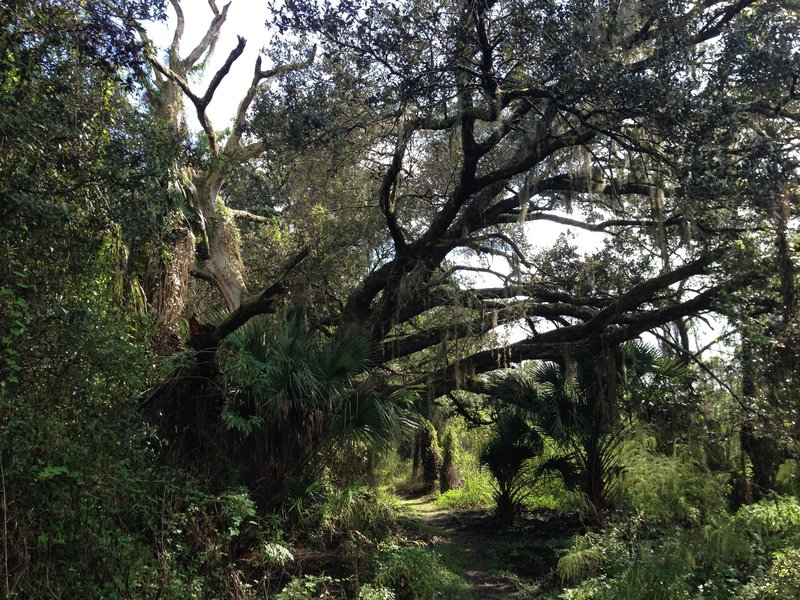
x: 675, y: 539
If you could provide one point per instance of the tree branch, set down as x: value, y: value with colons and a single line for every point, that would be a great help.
x: 210, y: 37
x: 244, y: 214
x: 223, y: 71
x: 175, y: 46
x: 264, y: 302
x: 597, y: 227
x: 492, y: 317
x: 388, y: 189
x: 570, y: 341
x: 259, y: 76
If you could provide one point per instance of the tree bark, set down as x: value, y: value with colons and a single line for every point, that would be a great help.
x: 165, y: 281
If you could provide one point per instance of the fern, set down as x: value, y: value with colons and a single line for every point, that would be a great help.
x: 580, y: 563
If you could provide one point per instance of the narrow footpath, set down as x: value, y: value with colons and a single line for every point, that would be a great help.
x: 494, y: 563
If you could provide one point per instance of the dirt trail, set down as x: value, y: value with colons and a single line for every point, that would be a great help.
x: 465, y: 550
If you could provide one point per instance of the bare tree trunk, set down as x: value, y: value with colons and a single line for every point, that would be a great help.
x: 220, y: 262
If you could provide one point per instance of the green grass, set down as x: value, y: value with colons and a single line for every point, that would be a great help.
x: 475, y: 493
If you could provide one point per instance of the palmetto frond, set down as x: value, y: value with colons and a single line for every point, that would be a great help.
x: 375, y: 418
x: 516, y: 386
x: 508, y: 455
x: 565, y: 467
x: 308, y: 393
x: 576, y: 403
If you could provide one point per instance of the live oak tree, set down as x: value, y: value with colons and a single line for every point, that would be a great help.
x: 445, y: 129
x: 643, y: 120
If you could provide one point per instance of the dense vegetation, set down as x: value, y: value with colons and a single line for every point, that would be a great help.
x: 223, y: 353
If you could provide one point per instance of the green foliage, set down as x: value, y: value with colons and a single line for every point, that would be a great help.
x: 476, y: 492
x: 276, y: 554
x: 306, y: 587
x: 776, y: 520
x: 14, y: 305
x: 449, y: 477
x: 751, y: 554
x: 788, y: 477
x: 477, y: 485
x: 372, y: 592
x: 430, y: 455
x: 296, y: 402
x: 91, y: 506
x: 76, y: 459
x: 550, y: 493
x: 508, y: 455
x: 577, y: 404
x: 671, y: 490
x: 584, y: 558
x: 358, y: 511
x: 781, y: 581
x: 412, y: 572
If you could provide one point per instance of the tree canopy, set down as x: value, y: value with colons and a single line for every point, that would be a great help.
x: 236, y: 313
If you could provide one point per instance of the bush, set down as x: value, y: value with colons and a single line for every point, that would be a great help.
x: 780, y: 582
x: 752, y: 554
x: 669, y: 490
x: 358, y: 511
x: 371, y: 592
x: 508, y: 455
x: 412, y: 572
x: 788, y: 477
x: 307, y: 587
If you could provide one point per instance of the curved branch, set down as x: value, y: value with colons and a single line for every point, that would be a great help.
x: 262, y: 303
x: 386, y: 194
x: 210, y: 37
x: 223, y: 71
x: 493, y: 317
x: 174, y: 48
x: 570, y: 341
x: 602, y: 226
x: 259, y: 75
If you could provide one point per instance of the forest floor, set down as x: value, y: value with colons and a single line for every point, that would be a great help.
x: 513, y: 563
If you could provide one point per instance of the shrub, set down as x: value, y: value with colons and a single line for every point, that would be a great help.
x: 410, y: 571
x: 670, y: 490
x: 788, y: 477
x: 752, y: 554
x: 372, y: 592
x: 508, y: 456
x: 306, y: 587
x: 357, y: 511
x: 780, y: 582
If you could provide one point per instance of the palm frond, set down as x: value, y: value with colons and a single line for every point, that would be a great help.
x: 565, y: 467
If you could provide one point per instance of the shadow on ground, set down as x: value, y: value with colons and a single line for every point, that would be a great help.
x: 514, y: 563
